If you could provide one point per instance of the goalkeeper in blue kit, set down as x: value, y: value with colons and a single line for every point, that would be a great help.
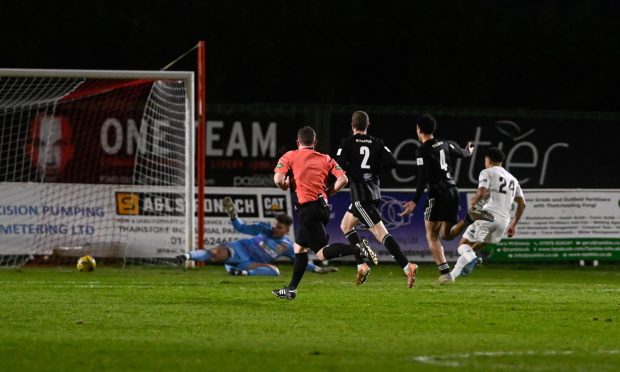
x: 253, y: 256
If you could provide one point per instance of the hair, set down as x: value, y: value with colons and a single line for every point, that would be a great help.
x: 285, y: 219
x: 495, y: 155
x: 306, y: 136
x: 427, y: 123
x: 360, y: 120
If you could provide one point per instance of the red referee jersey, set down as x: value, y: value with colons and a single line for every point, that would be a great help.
x: 310, y: 171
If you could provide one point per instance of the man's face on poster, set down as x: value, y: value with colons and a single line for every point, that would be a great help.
x: 50, y: 147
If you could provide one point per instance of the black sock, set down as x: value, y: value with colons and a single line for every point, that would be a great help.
x: 354, y: 240
x: 444, y: 268
x: 336, y: 250
x: 392, y: 246
x: 299, y: 268
x: 468, y: 220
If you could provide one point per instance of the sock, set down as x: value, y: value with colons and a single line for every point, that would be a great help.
x: 336, y: 250
x: 200, y: 255
x: 468, y: 220
x: 299, y: 268
x: 392, y: 246
x: 354, y: 240
x: 444, y: 268
x: 467, y: 255
x: 264, y: 271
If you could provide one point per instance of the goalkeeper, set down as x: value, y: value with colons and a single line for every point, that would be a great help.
x: 253, y: 256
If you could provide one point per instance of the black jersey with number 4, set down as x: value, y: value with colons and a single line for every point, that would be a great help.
x: 364, y: 157
x: 435, y: 161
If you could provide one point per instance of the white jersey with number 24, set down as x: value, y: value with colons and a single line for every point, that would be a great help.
x: 503, y: 188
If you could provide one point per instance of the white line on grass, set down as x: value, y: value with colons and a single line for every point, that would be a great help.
x: 457, y: 360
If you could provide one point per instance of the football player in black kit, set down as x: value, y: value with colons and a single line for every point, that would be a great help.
x: 435, y: 161
x: 363, y: 157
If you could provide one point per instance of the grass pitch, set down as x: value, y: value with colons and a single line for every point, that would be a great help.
x: 501, y: 318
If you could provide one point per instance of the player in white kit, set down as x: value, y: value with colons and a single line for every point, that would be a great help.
x: 497, y: 189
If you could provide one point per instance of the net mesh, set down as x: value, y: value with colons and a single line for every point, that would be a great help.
x: 92, y: 166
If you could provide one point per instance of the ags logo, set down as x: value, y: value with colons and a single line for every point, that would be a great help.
x: 149, y: 204
x: 127, y: 203
x: 274, y: 205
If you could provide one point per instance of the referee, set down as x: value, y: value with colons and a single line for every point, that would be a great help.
x: 306, y: 171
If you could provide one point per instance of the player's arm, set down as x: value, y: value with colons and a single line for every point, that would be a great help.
x: 458, y: 152
x: 251, y: 229
x: 341, y: 178
x: 282, y: 181
x: 388, y: 161
x: 520, y: 200
x: 482, y: 193
x: 423, y: 171
x: 342, y: 156
x: 341, y: 181
x: 280, y: 172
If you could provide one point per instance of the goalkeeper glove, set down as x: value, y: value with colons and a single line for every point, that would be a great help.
x: 229, y: 207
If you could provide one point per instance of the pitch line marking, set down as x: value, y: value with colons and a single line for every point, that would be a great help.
x: 455, y: 360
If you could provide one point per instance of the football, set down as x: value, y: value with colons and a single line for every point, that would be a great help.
x: 86, y: 264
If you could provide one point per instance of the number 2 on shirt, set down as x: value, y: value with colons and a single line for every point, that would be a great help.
x: 364, y: 150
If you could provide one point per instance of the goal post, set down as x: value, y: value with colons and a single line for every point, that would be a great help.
x: 96, y: 162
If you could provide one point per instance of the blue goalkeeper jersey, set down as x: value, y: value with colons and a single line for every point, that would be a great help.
x: 262, y: 247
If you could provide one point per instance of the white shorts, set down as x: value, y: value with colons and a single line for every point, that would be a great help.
x: 486, y: 232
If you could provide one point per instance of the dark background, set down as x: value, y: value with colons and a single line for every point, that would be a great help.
x: 535, y: 54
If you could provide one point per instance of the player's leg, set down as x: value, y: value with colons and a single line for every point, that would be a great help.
x: 467, y: 257
x: 441, y: 209
x: 216, y: 255
x: 475, y: 237
x: 450, y: 228
x: 366, y: 213
x: 299, y: 268
x: 252, y: 269
x: 450, y: 231
x: 380, y: 232
x: 336, y: 250
x: 347, y: 226
x: 262, y: 269
x: 436, y: 249
x: 312, y: 234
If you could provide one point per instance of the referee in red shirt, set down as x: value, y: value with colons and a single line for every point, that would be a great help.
x: 309, y: 171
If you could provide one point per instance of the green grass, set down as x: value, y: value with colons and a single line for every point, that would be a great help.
x: 502, y: 317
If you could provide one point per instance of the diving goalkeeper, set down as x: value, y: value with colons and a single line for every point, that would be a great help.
x: 253, y: 256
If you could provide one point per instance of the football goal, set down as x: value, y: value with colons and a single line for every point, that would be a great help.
x: 96, y: 163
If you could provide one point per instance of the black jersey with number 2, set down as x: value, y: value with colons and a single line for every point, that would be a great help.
x: 364, y: 157
x: 435, y: 161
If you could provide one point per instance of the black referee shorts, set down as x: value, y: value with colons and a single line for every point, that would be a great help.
x: 366, y: 211
x: 312, y: 234
x: 443, y: 206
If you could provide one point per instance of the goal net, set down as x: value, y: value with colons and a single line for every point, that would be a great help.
x: 98, y: 163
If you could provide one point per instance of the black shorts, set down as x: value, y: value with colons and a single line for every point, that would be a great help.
x: 443, y: 206
x: 312, y: 218
x: 366, y: 212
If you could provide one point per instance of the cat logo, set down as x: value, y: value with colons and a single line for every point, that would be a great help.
x: 274, y: 205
